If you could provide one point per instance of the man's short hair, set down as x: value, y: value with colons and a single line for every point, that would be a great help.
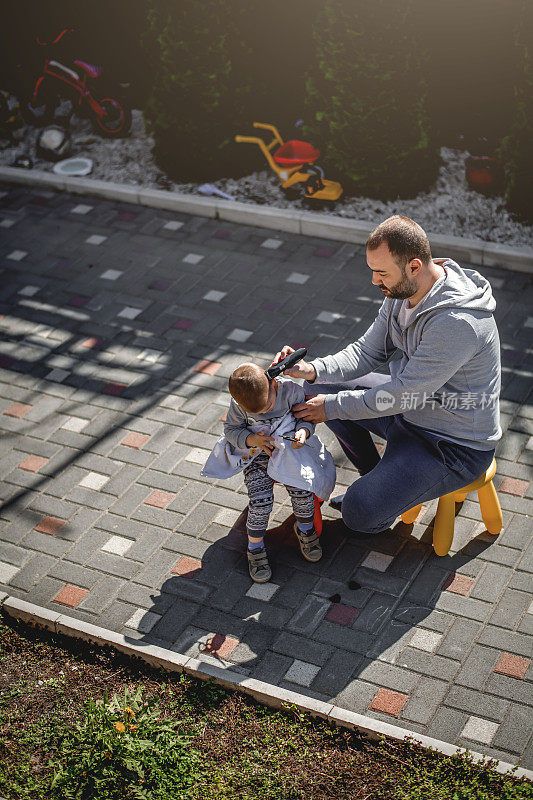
x: 248, y: 385
x: 405, y: 239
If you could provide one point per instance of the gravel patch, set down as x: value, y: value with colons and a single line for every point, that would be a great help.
x: 449, y: 206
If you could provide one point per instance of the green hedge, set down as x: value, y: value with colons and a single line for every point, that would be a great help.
x: 201, y: 92
x: 367, y: 98
x: 517, y: 147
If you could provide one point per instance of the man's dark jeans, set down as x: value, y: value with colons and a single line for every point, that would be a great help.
x: 417, y: 466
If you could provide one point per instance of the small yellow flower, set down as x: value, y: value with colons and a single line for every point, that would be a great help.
x: 133, y: 727
x: 120, y: 727
x: 129, y: 711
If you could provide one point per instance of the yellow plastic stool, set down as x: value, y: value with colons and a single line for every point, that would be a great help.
x: 445, y: 516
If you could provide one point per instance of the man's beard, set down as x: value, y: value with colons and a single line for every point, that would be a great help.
x: 402, y: 290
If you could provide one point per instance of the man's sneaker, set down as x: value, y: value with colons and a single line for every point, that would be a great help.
x: 309, y: 544
x: 336, y: 502
x: 258, y: 565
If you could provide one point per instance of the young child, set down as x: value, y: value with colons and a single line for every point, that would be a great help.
x: 261, y: 407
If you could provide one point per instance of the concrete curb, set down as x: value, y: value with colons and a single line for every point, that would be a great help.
x: 265, y: 693
x: 305, y: 223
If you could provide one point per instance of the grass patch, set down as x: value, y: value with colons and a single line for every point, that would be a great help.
x: 79, y: 722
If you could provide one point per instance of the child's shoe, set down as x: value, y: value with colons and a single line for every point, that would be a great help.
x: 309, y: 544
x: 258, y: 565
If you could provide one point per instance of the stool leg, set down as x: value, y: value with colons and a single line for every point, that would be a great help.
x: 443, y: 525
x: 491, y: 511
x: 410, y: 516
x: 460, y: 497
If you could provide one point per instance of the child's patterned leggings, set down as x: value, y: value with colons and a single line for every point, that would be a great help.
x: 261, y: 498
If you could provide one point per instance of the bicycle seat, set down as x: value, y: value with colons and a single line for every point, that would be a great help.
x: 91, y: 69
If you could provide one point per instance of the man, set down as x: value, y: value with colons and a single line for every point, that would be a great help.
x: 439, y: 409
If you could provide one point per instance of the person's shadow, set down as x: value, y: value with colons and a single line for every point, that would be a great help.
x: 314, y: 628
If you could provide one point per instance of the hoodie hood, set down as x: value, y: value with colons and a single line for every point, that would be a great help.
x: 461, y: 289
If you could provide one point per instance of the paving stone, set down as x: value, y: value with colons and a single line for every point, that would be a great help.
x: 431, y: 664
x: 70, y: 595
x: 459, y: 638
x: 515, y: 730
x: 479, y: 730
x: 473, y: 702
x: 308, y: 616
x: 512, y: 642
x: 424, y: 700
x: 388, y: 702
x: 95, y: 416
x: 33, y: 572
x: 511, y: 665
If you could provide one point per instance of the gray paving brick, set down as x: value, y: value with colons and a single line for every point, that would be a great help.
x: 510, y: 609
x: 111, y: 564
x: 356, y: 696
x: 389, y: 676
x: 427, y: 583
x: 477, y: 667
x: 430, y: 664
x: 477, y: 703
x: 86, y: 545
x: 157, y: 569
x: 510, y: 688
x: 44, y: 543
x: 116, y: 615
x: 506, y: 640
x: 464, y: 606
x: 375, y: 614
x: 73, y: 573
x: 517, y: 533
x: 157, y: 516
x: 267, y: 614
x: 219, y: 622
x: 309, y: 615
x: 197, y: 520
x: 447, y: 724
x: 146, y: 597
x: 230, y: 591
x: 173, y: 622
x: 12, y: 554
x: 459, y: 638
x: 36, y: 569
x: 344, y: 637
x: 271, y: 668
x: 186, y: 545
x: 515, y: 730
x: 102, y: 595
x: 252, y: 646
x: 424, y: 700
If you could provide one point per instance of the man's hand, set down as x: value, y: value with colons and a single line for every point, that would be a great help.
x: 266, y: 443
x: 299, y: 438
x: 300, y: 370
x: 313, y: 410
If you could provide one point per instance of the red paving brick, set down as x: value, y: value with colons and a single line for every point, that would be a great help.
x: 113, y: 388
x: 207, y: 367
x: 93, y: 343
x: 182, y: 324
x: 70, y: 595
x: 458, y: 584
x: 341, y: 614
x: 136, y: 440
x: 50, y: 525
x: 219, y: 645
x: 224, y: 416
x: 78, y: 301
x: 388, y: 702
x: 187, y: 567
x: 513, y: 486
x: 514, y: 666
x: 17, y: 410
x: 159, y: 499
x: 33, y: 463
x: 5, y: 361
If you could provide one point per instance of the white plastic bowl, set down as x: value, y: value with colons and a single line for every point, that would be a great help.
x: 71, y: 167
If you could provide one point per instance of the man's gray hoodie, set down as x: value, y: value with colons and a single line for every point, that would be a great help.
x: 448, y: 377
